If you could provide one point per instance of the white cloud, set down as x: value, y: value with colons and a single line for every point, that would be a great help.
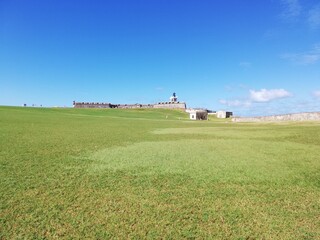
x: 292, y: 9
x: 260, y: 103
x: 316, y: 94
x: 305, y: 58
x: 261, y: 96
x: 265, y: 95
x: 235, y: 103
x: 314, y: 17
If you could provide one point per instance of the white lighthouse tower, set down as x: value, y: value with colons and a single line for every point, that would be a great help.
x: 174, y: 98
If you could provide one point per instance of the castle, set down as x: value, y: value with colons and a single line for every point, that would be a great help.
x: 173, y: 103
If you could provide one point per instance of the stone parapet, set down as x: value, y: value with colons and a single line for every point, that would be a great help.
x: 170, y: 105
x: 91, y: 105
x: 167, y: 105
x: 310, y: 116
x: 129, y: 106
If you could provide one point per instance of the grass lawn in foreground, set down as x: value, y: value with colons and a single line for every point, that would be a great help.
x: 97, y: 173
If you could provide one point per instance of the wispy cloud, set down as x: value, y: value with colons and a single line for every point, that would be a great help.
x: 316, y: 94
x: 314, y: 17
x: 235, y: 103
x: 292, y: 9
x: 267, y: 102
x: 305, y: 58
x: 245, y: 64
x: 255, y: 97
x: 302, y: 58
x: 265, y: 95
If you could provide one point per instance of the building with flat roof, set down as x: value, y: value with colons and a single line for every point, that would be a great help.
x: 224, y: 114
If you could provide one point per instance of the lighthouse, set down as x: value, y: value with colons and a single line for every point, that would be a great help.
x: 174, y: 98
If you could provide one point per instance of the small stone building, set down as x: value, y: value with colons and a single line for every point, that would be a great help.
x: 198, y: 115
x: 224, y: 114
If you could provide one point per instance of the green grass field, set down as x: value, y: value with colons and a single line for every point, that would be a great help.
x: 151, y: 174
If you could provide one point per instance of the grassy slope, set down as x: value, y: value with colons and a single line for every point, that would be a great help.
x: 72, y: 173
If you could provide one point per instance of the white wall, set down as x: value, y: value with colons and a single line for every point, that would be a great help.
x: 193, y: 116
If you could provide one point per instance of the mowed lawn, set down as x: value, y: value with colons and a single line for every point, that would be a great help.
x: 154, y: 174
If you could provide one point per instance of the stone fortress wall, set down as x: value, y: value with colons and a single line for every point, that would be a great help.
x: 172, y: 104
x: 91, y: 105
x: 129, y: 106
x: 309, y: 116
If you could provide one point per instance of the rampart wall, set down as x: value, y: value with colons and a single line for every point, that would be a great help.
x: 311, y: 116
x: 91, y: 105
x: 170, y: 105
x: 167, y: 105
x: 126, y: 106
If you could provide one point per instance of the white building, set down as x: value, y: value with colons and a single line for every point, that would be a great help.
x: 193, y: 115
x: 198, y: 114
x: 223, y: 114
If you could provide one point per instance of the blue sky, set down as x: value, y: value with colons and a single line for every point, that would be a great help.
x: 250, y: 57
